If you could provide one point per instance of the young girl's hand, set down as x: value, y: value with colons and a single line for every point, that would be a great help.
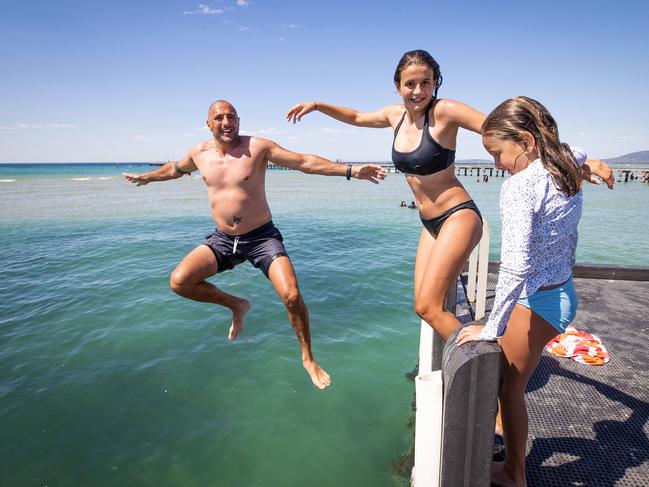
x: 595, y: 167
x: 470, y: 333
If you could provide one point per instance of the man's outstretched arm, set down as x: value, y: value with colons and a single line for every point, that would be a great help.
x: 171, y: 170
x: 311, y: 164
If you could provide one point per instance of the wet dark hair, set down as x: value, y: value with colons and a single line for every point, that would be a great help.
x: 522, y: 114
x: 419, y: 56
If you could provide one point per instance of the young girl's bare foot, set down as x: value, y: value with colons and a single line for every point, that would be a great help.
x: 500, y: 478
x: 237, y: 319
x: 319, y: 377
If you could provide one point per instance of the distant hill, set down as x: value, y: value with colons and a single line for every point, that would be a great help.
x: 641, y: 157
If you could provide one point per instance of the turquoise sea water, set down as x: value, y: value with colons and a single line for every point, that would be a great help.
x: 109, y: 379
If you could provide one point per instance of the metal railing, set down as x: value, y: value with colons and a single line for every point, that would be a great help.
x: 476, y: 289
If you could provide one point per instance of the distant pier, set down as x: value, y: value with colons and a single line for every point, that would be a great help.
x: 627, y: 174
x: 467, y: 170
x: 622, y: 174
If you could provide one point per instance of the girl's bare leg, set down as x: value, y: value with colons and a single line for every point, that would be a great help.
x: 439, y: 262
x: 522, y: 345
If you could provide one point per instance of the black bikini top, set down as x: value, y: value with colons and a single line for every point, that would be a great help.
x: 430, y: 157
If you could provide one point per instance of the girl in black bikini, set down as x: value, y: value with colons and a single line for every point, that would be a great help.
x: 425, y: 132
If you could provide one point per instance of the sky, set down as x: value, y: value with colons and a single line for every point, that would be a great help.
x: 131, y: 81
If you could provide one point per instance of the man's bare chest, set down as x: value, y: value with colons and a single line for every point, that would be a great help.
x: 230, y: 171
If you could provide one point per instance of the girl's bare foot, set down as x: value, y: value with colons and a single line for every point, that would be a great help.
x: 319, y: 377
x: 500, y: 478
x: 237, y: 319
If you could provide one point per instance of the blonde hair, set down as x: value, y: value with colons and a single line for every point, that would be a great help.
x: 522, y: 114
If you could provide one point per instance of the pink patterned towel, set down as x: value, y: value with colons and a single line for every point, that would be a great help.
x: 579, y: 346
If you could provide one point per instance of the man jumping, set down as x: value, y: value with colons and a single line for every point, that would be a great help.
x: 233, y: 168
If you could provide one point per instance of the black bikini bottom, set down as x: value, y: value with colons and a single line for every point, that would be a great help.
x: 434, y: 225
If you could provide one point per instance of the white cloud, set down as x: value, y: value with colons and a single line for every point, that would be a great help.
x: 291, y: 26
x: 242, y: 3
x: 625, y: 137
x: 146, y: 138
x: 19, y: 125
x: 381, y: 134
x: 205, y: 9
x: 243, y: 28
x: 199, y: 132
x: 329, y: 130
x: 272, y: 131
x: 62, y: 125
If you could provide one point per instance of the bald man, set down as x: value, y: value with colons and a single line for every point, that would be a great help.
x: 233, y: 168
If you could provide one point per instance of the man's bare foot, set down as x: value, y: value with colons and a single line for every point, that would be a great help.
x: 237, y: 319
x: 500, y: 477
x: 319, y: 377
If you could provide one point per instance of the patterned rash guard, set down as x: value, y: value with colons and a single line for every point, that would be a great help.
x: 539, y: 238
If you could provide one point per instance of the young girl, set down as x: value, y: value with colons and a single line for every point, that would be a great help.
x: 540, y: 206
x: 425, y: 132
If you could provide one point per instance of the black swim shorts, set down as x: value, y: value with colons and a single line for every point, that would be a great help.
x: 260, y: 247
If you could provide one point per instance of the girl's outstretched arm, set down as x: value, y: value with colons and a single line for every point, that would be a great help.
x: 378, y: 119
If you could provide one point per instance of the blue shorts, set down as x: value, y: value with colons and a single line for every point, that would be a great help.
x: 557, y: 306
x: 260, y: 247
